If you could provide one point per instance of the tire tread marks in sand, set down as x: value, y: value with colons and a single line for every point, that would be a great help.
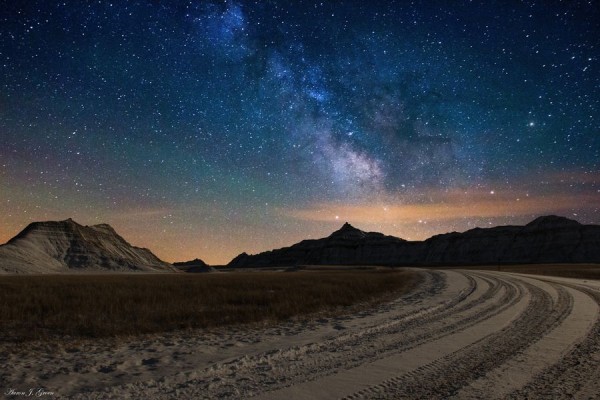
x: 273, y: 370
x: 255, y: 373
x: 478, y: 297
x: 444, y: 377
x: 578, y: 373
x: 345, y: 351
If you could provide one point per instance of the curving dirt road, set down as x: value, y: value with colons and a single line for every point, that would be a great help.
x: 463, y: 334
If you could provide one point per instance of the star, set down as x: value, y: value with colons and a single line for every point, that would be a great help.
x: 242, y: 121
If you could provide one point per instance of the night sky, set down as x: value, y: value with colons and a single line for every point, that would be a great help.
x: 208, y: 128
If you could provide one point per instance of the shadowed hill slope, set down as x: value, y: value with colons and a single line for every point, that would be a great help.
x: 549, y: 239
x: 62, y: 246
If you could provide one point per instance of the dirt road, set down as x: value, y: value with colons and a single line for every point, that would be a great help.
x: 462, y: 334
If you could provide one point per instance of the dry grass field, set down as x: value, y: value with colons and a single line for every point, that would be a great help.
x: 579, y: 271
x: 42, y: 307
x: 583, y: 271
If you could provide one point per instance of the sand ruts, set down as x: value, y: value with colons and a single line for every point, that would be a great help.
x: 462, y: 334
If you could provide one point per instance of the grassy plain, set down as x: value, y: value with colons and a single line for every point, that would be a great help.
x: 55, y: 306
x: 579, y: 271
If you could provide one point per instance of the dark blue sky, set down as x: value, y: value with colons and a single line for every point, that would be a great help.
x: 207, y: 128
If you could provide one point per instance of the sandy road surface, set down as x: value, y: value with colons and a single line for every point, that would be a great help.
x: 462, y: 334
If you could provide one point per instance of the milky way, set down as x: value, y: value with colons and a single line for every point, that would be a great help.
x: 204, y: 128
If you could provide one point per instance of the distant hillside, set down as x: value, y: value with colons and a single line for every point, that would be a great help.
x: 549, y: 239
x: 196, y: 262
x: 195, y: 265
x: 61, y: 246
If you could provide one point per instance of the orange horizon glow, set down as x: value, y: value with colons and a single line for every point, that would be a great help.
x: 455, y: 205
x: 167, y: 231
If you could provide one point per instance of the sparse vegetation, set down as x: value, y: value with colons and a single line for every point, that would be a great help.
x: 579, y: 271
x: 42, y: 307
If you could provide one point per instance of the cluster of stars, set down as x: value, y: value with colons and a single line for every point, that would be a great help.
x: 217, y: 119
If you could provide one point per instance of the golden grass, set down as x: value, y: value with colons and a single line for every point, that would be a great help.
x: 42, y: 307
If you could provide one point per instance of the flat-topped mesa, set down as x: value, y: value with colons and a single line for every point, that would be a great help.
x: 552, y: 221
x: 60, y: 246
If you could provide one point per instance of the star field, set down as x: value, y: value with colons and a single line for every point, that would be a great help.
x: 208, y: 128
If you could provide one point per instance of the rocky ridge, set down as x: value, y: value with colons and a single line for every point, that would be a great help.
x: 548, y: 239
x: 62, y: 246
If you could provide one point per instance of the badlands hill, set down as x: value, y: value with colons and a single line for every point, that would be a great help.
x: 196, y: 265
x: 62, y: 246
x: 549, y: 239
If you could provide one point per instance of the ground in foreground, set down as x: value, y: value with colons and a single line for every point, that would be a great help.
x: 461, y: 334
x: 52, y: 306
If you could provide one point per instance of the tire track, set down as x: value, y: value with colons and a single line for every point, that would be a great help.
x: 351, y: 350
x: 503, y: 293
x: 444, y: 377
x: 278, y: 368
x: 486, y: 325
x: 577, y: 375
x: 217, y: 376
x: 547, y: 351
